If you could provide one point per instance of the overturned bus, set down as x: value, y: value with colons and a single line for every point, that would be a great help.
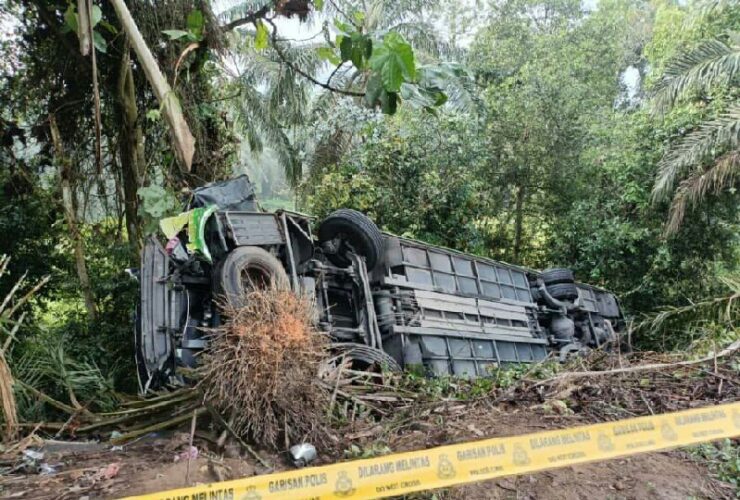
x: 383, y: 299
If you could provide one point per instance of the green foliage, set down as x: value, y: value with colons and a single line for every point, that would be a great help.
x: 262, y: 36
x: 357, y: 48
x: 410, y: 188
x: 279, y: 107
x: 389, y: 63
x: 702, y: 327
x: 723, y: 459
x: 532, y: 148
x: 49, y: 368
x: 328, y: 54
x: 612, y: 234
x: 550, y: 174
x: 465, y: 389
x: 393, y: 59
x: 705, y: 74
x: 195, y: 23
x: 107, y: 344
x: 71, y: 19
x: 438, y: 388
x: 28, y: 218
x: 712, y: 62
x: 156, y: 203
x: 193, y: 33
x: 441, y: 84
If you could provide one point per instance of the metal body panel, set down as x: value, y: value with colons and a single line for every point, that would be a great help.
x: 450, y: 332
x: 588, y: 299
x: 441, y: 269
x: 253, y: 228
x: 608, y: 305
x: 470, y: 314
x: 452, y: 353
x: 161, y: 307
x: 402, y: 282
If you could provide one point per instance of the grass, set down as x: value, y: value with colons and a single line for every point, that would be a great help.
x: 465, y: 389
x: 723, y: 460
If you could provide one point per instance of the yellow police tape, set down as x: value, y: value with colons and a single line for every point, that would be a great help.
x: 477, y: 460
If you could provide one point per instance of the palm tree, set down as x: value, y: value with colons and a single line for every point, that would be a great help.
x: 707, y: 159
x: 271, y: 98
x: 278, y: 95
x: 273, y: 101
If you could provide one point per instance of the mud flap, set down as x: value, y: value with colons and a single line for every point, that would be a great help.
x: 160, y: 313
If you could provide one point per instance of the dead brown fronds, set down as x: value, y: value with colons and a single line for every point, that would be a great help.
x: 10, y: 411
x: 261, y: 369
x: 605, y: 386
x: 9, y: 325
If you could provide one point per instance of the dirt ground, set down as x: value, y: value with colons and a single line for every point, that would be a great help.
x: 149, y: 465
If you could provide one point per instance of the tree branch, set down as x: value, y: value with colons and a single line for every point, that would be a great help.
x: 348, y: 18
x: 336, y: 70
x: 249, y: 18
x: 307, y: 76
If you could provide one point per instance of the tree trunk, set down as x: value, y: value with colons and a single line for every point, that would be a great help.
x: 518, y: 223
x: 70, y: 214
x: 83, y: 27
x: 183, y: 141
x: 131, y: 150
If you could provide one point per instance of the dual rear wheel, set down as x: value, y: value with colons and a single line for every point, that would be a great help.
x: 560, y: 283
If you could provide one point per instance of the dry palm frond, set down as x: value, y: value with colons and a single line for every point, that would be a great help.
x: 261, y: 368
x: 10, y: 409
x: 9, y: 325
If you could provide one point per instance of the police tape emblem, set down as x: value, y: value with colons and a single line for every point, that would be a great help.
x: 251, y: 494
x: 343, y: 487
x: 667, y: 432
x: 520, y: 455
x: 605, y: 442
x: 445, y: 469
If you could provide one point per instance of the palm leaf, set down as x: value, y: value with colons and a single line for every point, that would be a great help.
x: 274, y: 99
x: 710, y: 6
x: 696, y: 187
x: 423, y: 38
x: 712, y: 137
x: 723, y: 310
x: 261, y: 126
x: 381, y: 13
x: 49, y: 368
x: 711, y: 63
